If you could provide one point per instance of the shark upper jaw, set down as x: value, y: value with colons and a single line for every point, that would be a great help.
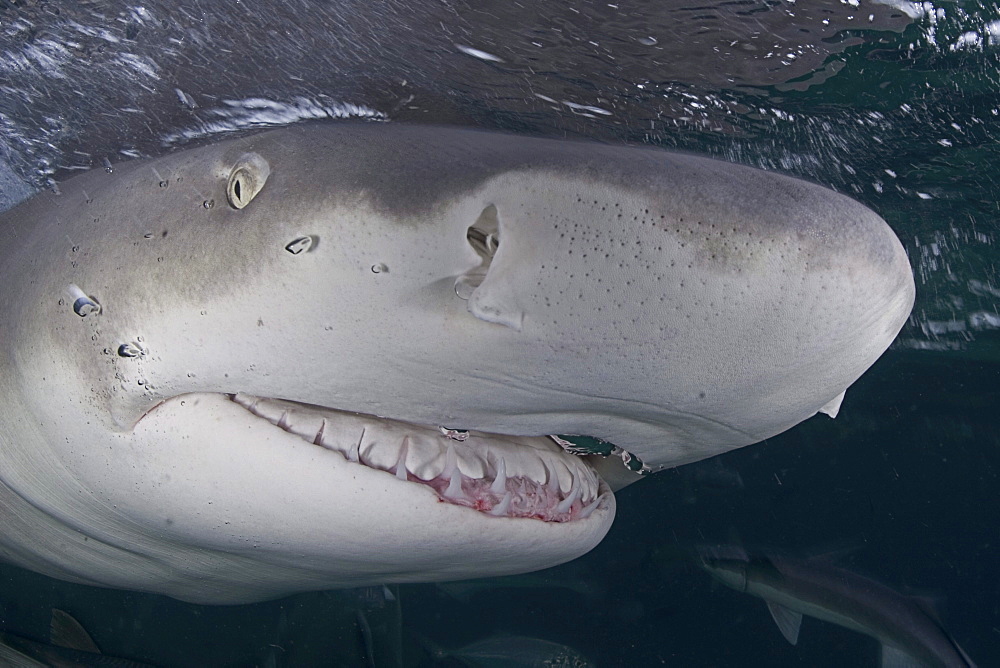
x: 501, y: 476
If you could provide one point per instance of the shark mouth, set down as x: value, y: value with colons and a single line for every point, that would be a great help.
x: 502, y: 476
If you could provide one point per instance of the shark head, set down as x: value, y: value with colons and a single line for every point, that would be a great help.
x: 333, y: 355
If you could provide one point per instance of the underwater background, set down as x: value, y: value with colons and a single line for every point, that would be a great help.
x: 894, y: 103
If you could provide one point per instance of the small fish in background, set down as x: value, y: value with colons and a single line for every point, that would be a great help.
x: 356, y: 628
x: 910, y: 633
x: 379, y: 620
x: 70, y: 646
x: 510, y: 651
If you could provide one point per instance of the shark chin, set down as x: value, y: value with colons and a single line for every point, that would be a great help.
x: 232, y: 498
x: 346, y: 354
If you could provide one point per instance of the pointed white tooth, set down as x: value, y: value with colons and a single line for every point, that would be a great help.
x: 552, y: 481
x: 247, y: 401
x: 567, y: 503
x: 592, y: 487
x: 318, y: 438
x: 401, y: 460
x: 586, y: 511
x: 454, y: 490
x: 283, y: 420
x: 501, y: 508
x: 499, y: 485
x: 565, y: 474
x: 450, y: 463
x: 354, y: 454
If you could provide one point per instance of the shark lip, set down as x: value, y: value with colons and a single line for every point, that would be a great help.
x: 497, y: 475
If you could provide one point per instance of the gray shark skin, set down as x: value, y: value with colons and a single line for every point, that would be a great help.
x: 330, y: 355
x: 909, y: 634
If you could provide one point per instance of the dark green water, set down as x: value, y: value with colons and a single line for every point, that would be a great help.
x: 896, y: 104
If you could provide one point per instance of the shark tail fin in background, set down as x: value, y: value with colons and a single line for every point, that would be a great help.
x: 788, y: 621
x: 65, y: 631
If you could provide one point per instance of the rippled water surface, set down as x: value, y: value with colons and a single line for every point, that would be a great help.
x: 895, y: 103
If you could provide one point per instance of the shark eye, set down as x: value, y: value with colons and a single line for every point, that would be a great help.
x: 246, y: 180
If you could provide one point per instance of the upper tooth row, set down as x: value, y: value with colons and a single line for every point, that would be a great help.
x: 377, y: 442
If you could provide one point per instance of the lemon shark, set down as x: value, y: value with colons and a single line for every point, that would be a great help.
x: 334, y: 354
x: 908, y: 630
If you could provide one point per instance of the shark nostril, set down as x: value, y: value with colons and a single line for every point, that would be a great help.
x: 300, y: 245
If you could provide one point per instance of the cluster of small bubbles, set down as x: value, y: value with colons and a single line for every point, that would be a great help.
x: 164, y: 183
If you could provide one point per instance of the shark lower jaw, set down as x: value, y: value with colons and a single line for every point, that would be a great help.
x: 496, y: 475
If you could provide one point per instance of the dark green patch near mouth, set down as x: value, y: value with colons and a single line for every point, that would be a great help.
x: 588, y: 445
x: 585, y: 445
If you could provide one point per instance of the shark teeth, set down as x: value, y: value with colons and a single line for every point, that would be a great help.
x: 503, y: 476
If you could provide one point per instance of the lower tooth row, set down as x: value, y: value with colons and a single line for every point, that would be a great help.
x: 297, y: 421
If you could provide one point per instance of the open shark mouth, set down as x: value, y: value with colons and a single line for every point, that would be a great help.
x: 503, y: 476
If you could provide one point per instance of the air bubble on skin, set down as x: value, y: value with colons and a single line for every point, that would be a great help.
x: 380, y: 268
x: 164, y: 183
x: 83, y: 305
x: 465, y: 285
x: 208, y: 204
x: 299, y: 245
